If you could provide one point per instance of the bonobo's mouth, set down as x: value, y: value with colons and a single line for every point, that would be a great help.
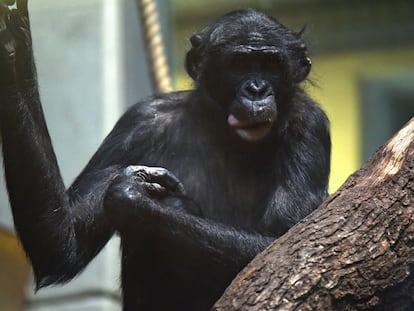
x: 250, y: 130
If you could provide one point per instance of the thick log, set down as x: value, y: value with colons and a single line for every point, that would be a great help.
x: 355, y: 252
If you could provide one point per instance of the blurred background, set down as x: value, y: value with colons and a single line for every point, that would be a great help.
x: 92, y: 66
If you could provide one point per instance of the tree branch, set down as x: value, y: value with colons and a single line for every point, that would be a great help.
x: 355, y: 252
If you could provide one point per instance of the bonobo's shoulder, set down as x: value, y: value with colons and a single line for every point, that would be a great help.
x: 164, y: 103
x: 306, y: 109
x: 307, y: 118
x: 154, y: 110
x: 146, y: 121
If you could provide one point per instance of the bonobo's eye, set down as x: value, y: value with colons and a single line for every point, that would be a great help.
x: 254, y: 61
x: 239, y: 61
x: 271, y: 62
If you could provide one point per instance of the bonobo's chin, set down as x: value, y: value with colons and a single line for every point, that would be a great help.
x: 250, y: 130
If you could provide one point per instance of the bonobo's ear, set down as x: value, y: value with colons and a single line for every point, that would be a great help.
x: 193, y: 57
x: 302, y: 63
x: 303, y: 69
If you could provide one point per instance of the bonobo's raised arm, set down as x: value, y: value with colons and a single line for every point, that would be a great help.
x: 50, y: 221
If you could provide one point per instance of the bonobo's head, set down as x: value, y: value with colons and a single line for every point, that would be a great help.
x: 251, y: 65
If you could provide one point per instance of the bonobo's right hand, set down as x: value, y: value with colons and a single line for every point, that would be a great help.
x: 15, y: 43
x: 138, y: 192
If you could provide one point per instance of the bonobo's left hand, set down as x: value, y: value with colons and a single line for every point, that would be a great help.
x: 157, y: 181
x: 140, y: 193
x: 15, y: 43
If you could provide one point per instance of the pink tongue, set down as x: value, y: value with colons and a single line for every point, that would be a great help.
x: 234, y: 122
x: 249, y: 130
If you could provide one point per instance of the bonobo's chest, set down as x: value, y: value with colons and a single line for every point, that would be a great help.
x: 228, y: 184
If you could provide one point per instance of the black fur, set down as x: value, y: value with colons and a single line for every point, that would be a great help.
x: 247, y: 154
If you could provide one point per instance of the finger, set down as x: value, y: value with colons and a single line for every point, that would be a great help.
x: 3, y: 18
x: 22, y: 6
x: 154, y: 189
x: 180, y: 190
x: 158, y: 175
x: 8, y: 51
x: 167, y: 179
x: 139, y: 171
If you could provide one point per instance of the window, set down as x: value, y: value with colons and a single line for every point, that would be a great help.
x: 387, y: 104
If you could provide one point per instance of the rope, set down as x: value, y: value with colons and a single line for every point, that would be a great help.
x: 160, y: 77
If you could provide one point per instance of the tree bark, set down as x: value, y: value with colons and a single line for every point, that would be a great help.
x: 355, y: 252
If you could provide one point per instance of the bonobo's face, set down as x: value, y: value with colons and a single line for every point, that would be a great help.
x: 249, y: 64
x: 251, y: 77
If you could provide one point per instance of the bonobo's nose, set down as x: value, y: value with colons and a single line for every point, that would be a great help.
x: 256, y: 89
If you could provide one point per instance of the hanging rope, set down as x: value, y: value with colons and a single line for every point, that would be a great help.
x: 160, y: 76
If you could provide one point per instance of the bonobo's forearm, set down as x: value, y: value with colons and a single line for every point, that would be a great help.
x: 217, y: 241
x: 221, y: 249
x: 49, y: 220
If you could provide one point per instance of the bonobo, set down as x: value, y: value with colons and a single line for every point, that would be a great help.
x: 196, y: 183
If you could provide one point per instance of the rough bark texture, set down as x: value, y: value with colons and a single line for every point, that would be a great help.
x: 355, y: 252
